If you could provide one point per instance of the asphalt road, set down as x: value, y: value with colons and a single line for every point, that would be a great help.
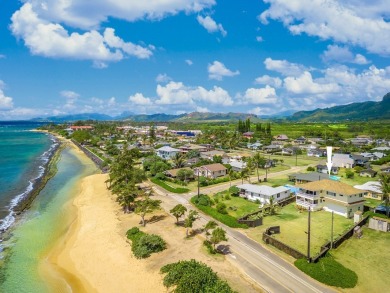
x: 268, y: 270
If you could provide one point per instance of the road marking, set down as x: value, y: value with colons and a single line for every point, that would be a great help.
x: 232, y: 256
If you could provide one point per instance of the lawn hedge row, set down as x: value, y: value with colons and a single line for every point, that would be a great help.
x: 225, y: 219
x: 168, y: 187
x: 328, y: 271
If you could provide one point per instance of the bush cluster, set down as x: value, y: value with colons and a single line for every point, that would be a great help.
x: 143, y: 244
x: 169, y: 188
x: 193, y: 277
x: 209, y: 247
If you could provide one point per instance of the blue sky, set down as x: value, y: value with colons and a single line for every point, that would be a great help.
x: 176, y: 56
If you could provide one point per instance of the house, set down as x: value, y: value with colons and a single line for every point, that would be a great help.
x: 360, y: 141
x: 209, y: 147
x: 173, y: 172
x: 331, y: 196
x: 86, y: 127
x: 211, y: 154
x: 192, y: 147
x: 287, y: 151
x: 316, y: 153
x: 360, y: 160
x: 300, y: 178
x: 167, y: 152
x: 254, y: 146
x: 300, y: 140
x: 372, y: 189
x: 263, y: 193
x: 368, y: 173
x: 381, y: 149
x: 343, y: 161
x: 211, y: 171
x: 281, y: 137
x: 324, y: 169
x: 248, y: 134
x: 237, y: 166
x: 272, y: 148
x: 385, y: 170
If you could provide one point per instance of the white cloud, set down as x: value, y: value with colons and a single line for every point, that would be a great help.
x: 189, y: 62
x: 6, y: 103
x: 218, y: 70
x: 305, y: 84
x: 176, y: 93
x: 99, y: 64
x: 70, y: 94
x: 359, y: 23
x: 210, y: 25
x: 342, y: 55
x: 268, y: 80
x: 265, y: 95
x: 202, y: 110
x: 139, y: 99
x: 259, y: 39
x: 111, y: 102
x: 284, y: 67
x: 163, y: 78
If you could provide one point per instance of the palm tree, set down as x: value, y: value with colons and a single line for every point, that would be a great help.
x: 259, y: 162
x: 231, y: 174
x: 384, y: 180
x: 244, y: 174
x: 178, y: 160
x: 273, y: 207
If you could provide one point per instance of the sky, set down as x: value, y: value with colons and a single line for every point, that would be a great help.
x: 61, y: 57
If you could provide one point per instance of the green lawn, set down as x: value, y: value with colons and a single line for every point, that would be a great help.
x: 243, y: 206
x: 301, y: 160
x: 372, y: 203
x: 356, y: 180
x: 293, y: 225
x: 369, y: 257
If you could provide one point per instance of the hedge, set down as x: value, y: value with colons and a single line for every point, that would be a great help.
x: 225, y: 219
x: 168, y: 187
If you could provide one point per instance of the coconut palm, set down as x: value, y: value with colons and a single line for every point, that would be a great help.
x: 259, y: 162
x: 384, y: 180
x: 273, y: 207
x: 178, y: 160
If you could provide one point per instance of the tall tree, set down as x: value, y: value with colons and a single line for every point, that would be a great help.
x: 189, y: 221
x: 146, y: 205
x: 244, y: 174
x: 259, y: 163
x: 178, y: 160
x: 218, y: 235
x: 209, y: 226
x: 384, y: 180
x: 273, y: 206
x: 178, y: 211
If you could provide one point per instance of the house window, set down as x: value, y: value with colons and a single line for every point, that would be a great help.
x: 341, y: 195
x: 278, y: 195
x: 358, y: 208
x: 331, y: 193
x: 361, y: 195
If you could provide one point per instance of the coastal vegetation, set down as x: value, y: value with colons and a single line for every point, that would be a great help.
x: 328, y: 271
x: 143, y: 244
x: 193, y: 277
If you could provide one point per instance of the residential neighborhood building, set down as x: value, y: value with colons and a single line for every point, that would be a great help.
x: 300, y: 178
x: 331, y: 196
x: 316, y: 153
x: 385, y: 170
x: 211, y: 171
x: 281, y: 137
x: 324, y: 169
x: 372, y: 189
x: 343, y: 161
x: 254, y: 146
x: 173, y: 172
x: 237, y: 166
x: 368, y: 173
x: 272, y: 148
x: 167, y: 152
x: 263, y: 193
x: 300, y: 140
x: 248, y: 134
x: 211, y: 154
x: 192, y: 147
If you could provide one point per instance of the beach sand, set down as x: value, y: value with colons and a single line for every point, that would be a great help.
x: 95, y: 256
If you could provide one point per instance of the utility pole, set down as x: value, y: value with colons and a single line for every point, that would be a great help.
x: 296, y: 158
x: 198, y: 184
x: 308, y: 235
x: 331, y: 232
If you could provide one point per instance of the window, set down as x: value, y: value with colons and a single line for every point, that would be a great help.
x: 331, y: 193
x: 341, y: 195
x: 361, y: 195
x: 358, y: 208
x: 278, y: 195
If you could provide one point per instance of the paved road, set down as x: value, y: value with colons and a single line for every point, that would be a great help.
x: 268, y: 270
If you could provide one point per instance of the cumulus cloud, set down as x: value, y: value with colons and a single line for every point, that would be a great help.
x: 176, y: 93
x: 265, y: 95
x: 139, y: 99
x: 210, y: 25
x: 284, y: 67
x: 6, y: 103
x: 189, y: 62
x: 218, y: 70
x: 305, y: 84
x: 259, y: 39
x: 163, y: 78
x: 268, y: 80
x: 342, y: 55
x: 349, y: 22
x: 202, y: 109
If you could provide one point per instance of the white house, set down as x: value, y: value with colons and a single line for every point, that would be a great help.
x: 211, y: 171
x: 167, y: 152
x: 237, y: 166
x: 330, y: 195
x: 372, y: 189
x: 343, y: 161
x: 263, y: 192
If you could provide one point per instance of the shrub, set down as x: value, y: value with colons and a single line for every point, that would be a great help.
x: 328, y: 271
x: 227, y: 196
x: 193, y: 276
x: 203, y: 200
x: 234, y: 191
x: 310, y: 169
x: 257, y: 201
x: 221, y: 208
x: 209, y: 247
x: 349, y: 174
x: 148, y: 244
x: 169, y: 188
x: 160, y: 176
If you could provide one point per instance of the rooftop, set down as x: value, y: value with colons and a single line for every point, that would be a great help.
x: 374, y: 186
x: 263, y: 189
x: 330, y: 185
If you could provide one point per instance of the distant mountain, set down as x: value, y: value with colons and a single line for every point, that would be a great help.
x: 278, y: 115
x: 75, y: 117
x: 214, y: 117
x: 352, y: 112
x: 161, y: 117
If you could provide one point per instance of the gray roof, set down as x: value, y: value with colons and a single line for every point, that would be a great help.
x: 374, y: 186
x: 263, y: 189
x: 168, y: 149
x: 314, y: 176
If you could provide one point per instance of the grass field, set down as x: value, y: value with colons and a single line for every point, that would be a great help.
x: 243, y: 206
x: 301, y: 160
x: 293, y: 225
x: 369, y: 257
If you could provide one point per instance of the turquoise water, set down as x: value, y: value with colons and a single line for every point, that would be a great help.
x: 23, y: 154
x: 41, y: 226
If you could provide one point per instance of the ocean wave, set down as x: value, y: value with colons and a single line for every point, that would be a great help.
x: 8, y: 220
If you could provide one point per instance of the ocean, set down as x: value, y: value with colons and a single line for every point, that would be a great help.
x: 23, y: 154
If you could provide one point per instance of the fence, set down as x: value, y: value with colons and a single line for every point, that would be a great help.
x: 98, y: 161
x: 267, y: 238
